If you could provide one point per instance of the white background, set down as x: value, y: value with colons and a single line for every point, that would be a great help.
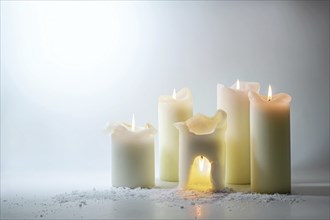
x: 67, y: 68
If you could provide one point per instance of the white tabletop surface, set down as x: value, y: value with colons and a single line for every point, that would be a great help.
x: 313, y: 203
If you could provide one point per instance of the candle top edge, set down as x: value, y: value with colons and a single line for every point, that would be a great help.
x: 124, y: 127
x: 201, y: 124
x: 276, y: 98
x: 183, y: 94
x: 244, y: 86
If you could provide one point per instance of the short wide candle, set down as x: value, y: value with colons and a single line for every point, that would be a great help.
x: 171, y: 109
x: 270, y: 143
x: 235, y: 102
x: 132, y: 155
x: 202, y: 144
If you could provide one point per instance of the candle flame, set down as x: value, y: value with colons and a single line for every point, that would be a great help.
x: 133, y: 123
x: 201, y: 164
x: 174, y: 94
x: 269, y: 98
x: 237, y: 85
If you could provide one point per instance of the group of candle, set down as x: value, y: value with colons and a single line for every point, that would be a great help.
x: 247, y: 141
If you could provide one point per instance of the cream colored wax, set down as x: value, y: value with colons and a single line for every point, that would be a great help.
x: 202, y: 138
x: 235, y: 102
x: 171, y: 109
x: 270, y: 143
x: 132, y: 155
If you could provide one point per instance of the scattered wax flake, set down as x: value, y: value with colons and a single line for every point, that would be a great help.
x: 174, y: 196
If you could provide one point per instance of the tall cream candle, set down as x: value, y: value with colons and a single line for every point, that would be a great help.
x: 270, y: 143
x: 171, y: 109
x: 235, y: 102
x: 132, y: 160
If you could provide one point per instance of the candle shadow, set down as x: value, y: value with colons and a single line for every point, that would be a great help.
x: 239, y: 188
x: 160, y: 184
x: 312, y: 189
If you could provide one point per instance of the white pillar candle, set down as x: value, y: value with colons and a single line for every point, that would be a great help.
x: 132, y: 157
x: 202, y: 144
x: 235, y: 102
x: 171, y: 109
x: 270, y: 143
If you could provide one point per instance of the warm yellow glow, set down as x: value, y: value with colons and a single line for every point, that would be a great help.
x: 174, y: 94
x: 133, y: 123
x: 269, y: 98
x: 199, y: 176
x: 201, y: 164
x: 237, y: 85
x: 198, y: 211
